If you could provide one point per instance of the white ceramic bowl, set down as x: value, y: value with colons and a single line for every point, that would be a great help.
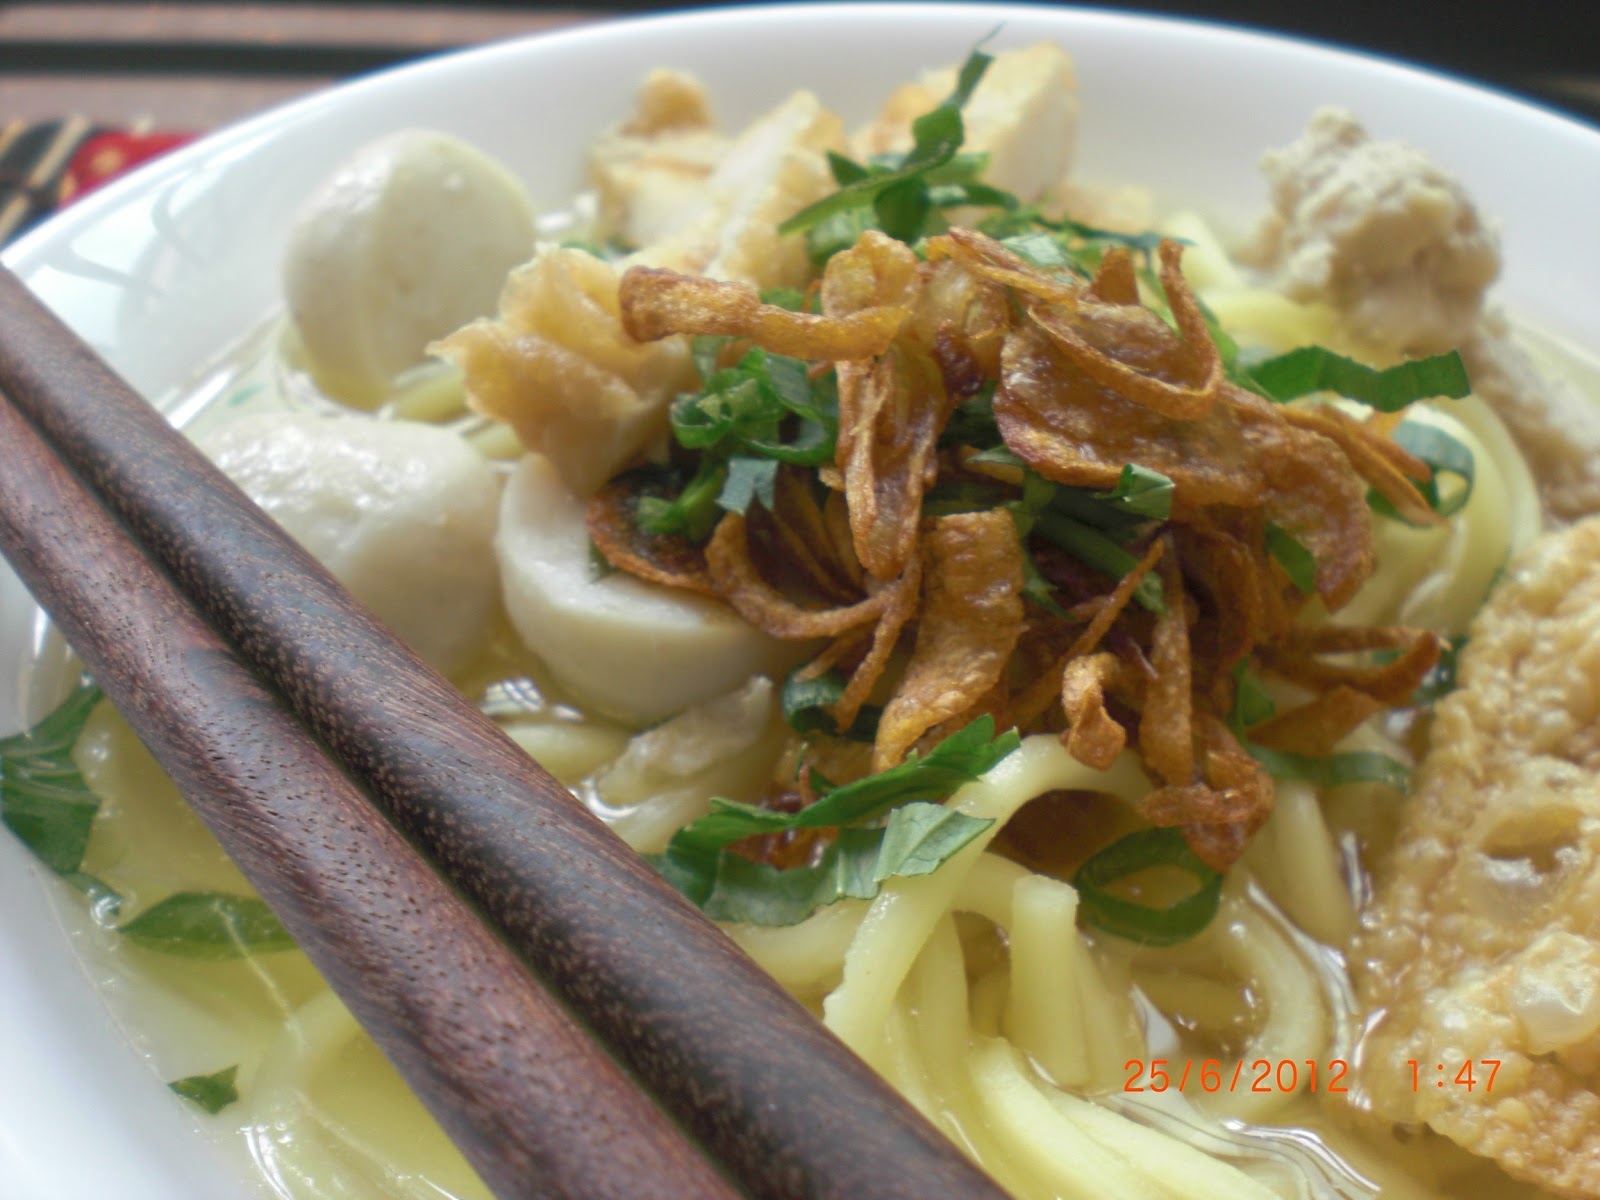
x: 166, y: 271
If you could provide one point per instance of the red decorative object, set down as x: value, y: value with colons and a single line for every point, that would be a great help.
x: 106, y: 155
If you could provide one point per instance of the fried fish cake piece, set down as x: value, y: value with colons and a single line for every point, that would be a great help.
x: 1482, y: 943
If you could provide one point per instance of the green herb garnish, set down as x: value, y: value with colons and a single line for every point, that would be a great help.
x: 1150, y: 925
x: 209, y: 1093
x: 1037, y: 492
x: 208, y: 925
x: 1090, y: 527
x: 904, y: 195
x: 743, y: 409
x: 48, y: 805
x: 917, y: 839
x: 44, y: 799
x: 749, y: 479
x: 738, y: 423
x: 917, y: 835
x: 1045, y: 248
x: 972, y: 423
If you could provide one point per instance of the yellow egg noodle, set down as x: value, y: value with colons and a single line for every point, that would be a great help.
x: 975, y: 989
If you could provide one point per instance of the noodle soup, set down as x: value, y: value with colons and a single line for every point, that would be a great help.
x: 1210, y: 1061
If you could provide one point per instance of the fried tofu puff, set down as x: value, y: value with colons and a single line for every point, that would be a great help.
x: 1482, y: 944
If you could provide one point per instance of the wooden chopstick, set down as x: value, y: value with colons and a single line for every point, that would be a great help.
x: 536, y: 1106
x: 777, y: 1101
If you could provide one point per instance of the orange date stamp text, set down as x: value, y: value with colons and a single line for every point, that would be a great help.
x: 1211, y: 1075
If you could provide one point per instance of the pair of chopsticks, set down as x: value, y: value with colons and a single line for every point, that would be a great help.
x: 575, y: 1025
x: 486, y: 1045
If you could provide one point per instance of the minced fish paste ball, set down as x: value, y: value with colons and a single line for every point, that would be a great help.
x: 403, y: 514
x: 407, y: 240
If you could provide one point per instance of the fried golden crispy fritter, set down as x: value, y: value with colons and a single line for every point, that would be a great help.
x: 1483, y: 940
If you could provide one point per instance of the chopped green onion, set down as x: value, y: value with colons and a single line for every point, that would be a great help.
x: 706, y: 349
x: 999, y: 456
x: 1094, y: 549
x: 749, y: 479
x: 962, y: 496
x: 1318, y: 369
x: 694, y: 514
x: 1334, y: 770
x: 1035, y: 587
x: 1141, y: 491
x: 1252, y: 703
x: 1037, y: 492
x: 1114, y: 520
x: 1296, y: 561
x: 610, y: 250
x: 972, y: 423
x: 805, y: 704
x: 1444, y: 455
x: 1144, y: 923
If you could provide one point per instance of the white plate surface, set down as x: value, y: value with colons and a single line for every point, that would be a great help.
x: 168, y: 270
